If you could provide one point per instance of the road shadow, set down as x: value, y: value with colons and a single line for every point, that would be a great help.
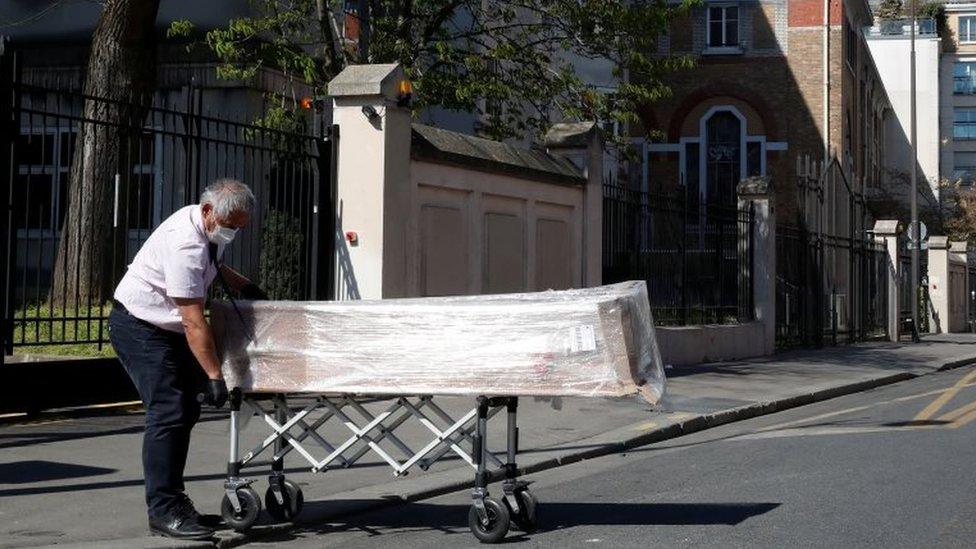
x: 320, y: 517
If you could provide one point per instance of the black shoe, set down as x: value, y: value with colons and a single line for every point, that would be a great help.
x: 185, y: 507
x: 179, y: 527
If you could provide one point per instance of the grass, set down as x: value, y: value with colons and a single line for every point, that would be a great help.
x: 39, y: 330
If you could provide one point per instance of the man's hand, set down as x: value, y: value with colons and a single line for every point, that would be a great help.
x: 216, y: 393
x: 253, y: 292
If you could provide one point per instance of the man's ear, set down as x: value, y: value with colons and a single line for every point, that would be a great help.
x: 206, y: 208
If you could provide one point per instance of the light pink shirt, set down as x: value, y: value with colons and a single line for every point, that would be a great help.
x: 173, y: 262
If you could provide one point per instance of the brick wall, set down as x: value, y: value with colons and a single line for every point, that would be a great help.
x: 780, y: 79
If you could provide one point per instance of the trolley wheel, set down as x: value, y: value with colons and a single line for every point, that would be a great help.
x: 525, y: 520
x: 250, y: 509
x: 293, y: 502
x: 498, y: 522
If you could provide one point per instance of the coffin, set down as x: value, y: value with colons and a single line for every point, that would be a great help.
x: 593, y: 342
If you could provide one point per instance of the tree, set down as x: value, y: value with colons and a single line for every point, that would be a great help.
x: 510, y: 61
x: 889, y: 10
x: 121, y: 74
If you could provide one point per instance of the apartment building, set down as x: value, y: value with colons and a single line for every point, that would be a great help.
x: 957, y: 77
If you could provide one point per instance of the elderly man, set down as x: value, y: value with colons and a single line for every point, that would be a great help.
x: 159, y: 331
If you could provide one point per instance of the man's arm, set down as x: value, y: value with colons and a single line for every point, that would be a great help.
x: 199, y: 336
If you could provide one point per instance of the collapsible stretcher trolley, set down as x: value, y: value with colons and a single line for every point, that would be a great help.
x: 331, y: 358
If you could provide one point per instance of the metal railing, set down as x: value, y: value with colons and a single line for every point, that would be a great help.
x: 164, y: 159
x: 925, y: 28
x: 696, y: 259
x: 829, y: 288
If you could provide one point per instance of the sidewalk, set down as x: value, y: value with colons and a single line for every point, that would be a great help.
x: 78, y: 481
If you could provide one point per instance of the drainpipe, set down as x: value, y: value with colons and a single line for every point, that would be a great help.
x: 826, y: 80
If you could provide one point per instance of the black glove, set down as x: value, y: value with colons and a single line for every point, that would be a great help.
x: 252, y: 292
x: 216, y: 393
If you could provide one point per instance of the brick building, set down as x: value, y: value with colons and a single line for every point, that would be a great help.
x: 754, y: 104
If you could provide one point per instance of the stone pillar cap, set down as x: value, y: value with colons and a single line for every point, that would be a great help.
x: 570, y: 135
x: 758, y: 186
x: 887, y: 227
x: 958, y: 246
x: 368, y: 80
x: 938, y: 242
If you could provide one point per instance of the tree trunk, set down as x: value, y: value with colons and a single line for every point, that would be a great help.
x: 119, y: 82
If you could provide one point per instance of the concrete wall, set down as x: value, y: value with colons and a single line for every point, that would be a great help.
x: 684, y: 345
x: 449, y: 221
x: 472, y: 232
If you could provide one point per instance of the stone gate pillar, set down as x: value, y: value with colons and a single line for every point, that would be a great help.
x: 888, y: 231
x: 757, y: 192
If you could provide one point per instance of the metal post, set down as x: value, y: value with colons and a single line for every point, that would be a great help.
x: 510, y: 466
x: 8, y: 124
x: 480, y: 491
x: 914, y: 188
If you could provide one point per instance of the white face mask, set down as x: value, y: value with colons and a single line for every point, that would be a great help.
x: 222, y: 235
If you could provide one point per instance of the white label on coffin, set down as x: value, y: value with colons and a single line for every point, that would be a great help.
x: 582, y: 338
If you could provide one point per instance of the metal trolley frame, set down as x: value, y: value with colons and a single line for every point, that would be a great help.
x: 293, y: 430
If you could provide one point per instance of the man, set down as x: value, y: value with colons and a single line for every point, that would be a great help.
x: 159, y: 331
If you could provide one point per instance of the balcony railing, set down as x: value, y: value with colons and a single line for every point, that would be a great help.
x: 903, y: 27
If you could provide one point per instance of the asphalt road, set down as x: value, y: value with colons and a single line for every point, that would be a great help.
x: 892, y: 467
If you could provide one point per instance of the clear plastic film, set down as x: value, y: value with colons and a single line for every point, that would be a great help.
x: 587, y: 342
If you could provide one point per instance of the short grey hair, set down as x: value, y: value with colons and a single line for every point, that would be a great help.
x: 228, y: 196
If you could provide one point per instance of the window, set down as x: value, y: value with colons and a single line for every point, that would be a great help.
x: 753, y: 158
x: 723, y: 153
x: 964, y: 167
x: 692, y: 185
x: 723, y: 26
x: 964, y: 77
x: 964, y: 124
x: 967, y: 28
x: 851, y: 45
x: 44, y: 157
x: 42, y: 177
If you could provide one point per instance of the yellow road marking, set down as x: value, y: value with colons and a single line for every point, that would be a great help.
x: 945, y: 397
x: 964, y: 420
x: 645, y: 426
x: 958, y: 412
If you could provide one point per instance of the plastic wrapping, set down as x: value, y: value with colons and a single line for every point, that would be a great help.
x: 587, y: 342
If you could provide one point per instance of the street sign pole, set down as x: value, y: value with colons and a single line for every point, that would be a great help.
x: 916, y: 237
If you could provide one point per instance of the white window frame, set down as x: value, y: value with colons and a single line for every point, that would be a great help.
x: 970, y: 23
x: 724, y: 48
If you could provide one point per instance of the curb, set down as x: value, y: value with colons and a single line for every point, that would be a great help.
x: 674, y: 430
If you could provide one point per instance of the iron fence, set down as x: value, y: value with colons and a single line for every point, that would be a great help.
x: 696, y: 259
x: 907, y: 291
x: 829, y: 288
x: 161, y: 160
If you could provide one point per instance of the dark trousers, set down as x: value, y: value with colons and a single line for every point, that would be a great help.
x: 168, y: 379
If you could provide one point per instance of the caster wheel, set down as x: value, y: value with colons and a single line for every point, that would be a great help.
x: 293, y: 501
x: 525, y: 520
x: 250, y: 509
x: 498, y: 522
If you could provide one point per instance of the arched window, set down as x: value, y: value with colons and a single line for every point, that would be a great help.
x: 723, y: 157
